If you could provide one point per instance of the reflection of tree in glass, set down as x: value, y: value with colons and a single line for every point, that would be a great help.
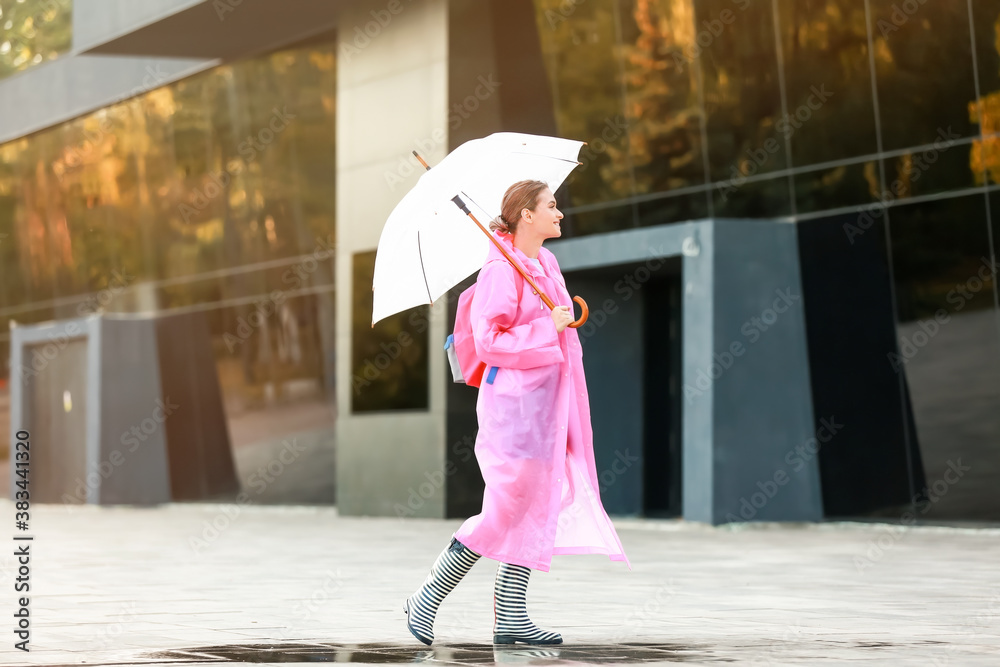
x: 937, y: 247
x: 825, y: 44
x: 102, y: 195
x: 646, y: 140
x: 579, y: 52
x: 663, y: 148
x: 33, y: 31
x: 984, y: 158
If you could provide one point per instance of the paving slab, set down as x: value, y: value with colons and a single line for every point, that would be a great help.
x: 200, y: 584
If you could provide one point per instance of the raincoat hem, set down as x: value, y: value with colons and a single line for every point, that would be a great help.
x: 576, y: 551
x: 511, y: 560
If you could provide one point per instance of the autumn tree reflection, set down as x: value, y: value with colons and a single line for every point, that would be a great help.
x: 33, y: 31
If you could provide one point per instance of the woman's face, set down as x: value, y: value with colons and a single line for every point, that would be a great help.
x: 545, y: 219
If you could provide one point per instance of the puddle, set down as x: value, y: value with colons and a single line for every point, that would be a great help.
x: 471, y: 654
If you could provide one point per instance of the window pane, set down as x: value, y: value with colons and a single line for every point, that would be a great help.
x: 943, y: 166
x: 847, y: 289
x: 845, y: 185
x: 752, y: 199
x: 389, y: 362
x: 742, y: 94
x: 828, y: 80
x: 673, y: 209
x: 949, y: 351
x: 579, y: 49
x: 923, y: 66
x: 984, y: 159
x: 662, y: 106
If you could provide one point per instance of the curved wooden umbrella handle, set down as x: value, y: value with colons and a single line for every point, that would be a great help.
x: 584, y: 314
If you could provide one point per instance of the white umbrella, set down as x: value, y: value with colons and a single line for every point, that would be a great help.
x: 429, y: 244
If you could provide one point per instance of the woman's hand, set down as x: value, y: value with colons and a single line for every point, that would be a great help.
x: 562, y: 316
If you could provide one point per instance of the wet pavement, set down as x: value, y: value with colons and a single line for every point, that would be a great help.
x: 255, y: 585
x: 466, y: 654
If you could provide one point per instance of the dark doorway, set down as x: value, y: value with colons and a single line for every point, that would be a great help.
x: 662, y: 397
x: 632, y: 356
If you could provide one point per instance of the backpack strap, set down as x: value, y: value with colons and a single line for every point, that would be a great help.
x: 470, y: 367
x: 518, y: 280
x: 520, y: 286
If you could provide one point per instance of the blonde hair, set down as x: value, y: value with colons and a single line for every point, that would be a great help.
x: 522, y: 195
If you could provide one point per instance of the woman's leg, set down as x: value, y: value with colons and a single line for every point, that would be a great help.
x: 449, y: 568
x: 510, y: 607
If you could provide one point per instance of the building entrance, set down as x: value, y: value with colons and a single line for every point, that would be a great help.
x: 632, y: 356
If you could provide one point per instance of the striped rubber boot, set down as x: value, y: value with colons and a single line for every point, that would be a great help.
x: 449, y: 568
x: 510, y: 609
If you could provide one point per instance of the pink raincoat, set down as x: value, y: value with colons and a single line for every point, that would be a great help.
x: 535, y: 445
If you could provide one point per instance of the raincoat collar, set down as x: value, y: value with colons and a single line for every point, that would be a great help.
x: 508, y: 243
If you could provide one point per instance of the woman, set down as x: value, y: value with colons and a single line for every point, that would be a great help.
x: 535, y: 444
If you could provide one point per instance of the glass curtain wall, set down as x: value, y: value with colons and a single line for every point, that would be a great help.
x: 796, y: 112
x: 867, y: 116
x: 212, y: 195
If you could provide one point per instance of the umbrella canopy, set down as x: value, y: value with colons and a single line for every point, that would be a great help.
x: 428, y: 244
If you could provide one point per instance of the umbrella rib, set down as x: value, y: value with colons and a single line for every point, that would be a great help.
x: 423, y: 271
x: 481, y: 208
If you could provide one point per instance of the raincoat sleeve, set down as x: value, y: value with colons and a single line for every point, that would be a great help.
x: 498, y: 342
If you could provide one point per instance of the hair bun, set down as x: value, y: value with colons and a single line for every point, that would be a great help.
x: 499, y: 223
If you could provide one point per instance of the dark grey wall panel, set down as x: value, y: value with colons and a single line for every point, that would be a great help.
x: 613, y: 357
x: 852, y: 332
x: 765, y: 469
x: 133, y: 441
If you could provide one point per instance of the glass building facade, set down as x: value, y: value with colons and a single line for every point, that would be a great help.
x: 729, y: 109
x: 212, y: 195
x: 869, y: 124
x: 872, y: 125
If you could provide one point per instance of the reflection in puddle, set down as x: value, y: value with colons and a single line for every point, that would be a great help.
x: 472, y: 654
